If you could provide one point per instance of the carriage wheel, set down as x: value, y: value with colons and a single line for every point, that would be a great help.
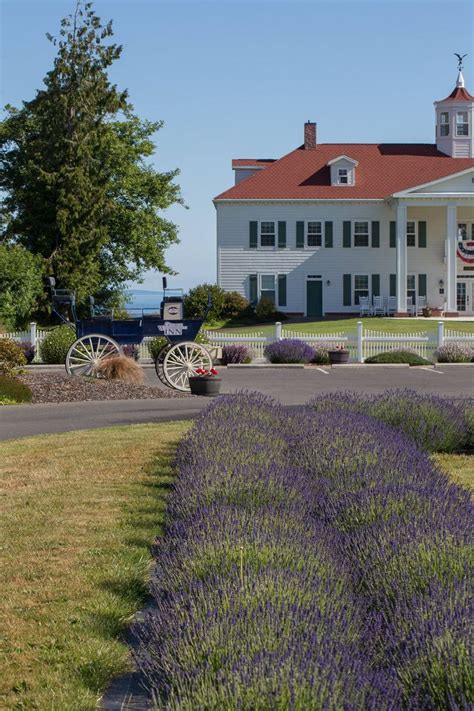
x: 85, y: 354
x: 159, y: 360
x: 182, y: 360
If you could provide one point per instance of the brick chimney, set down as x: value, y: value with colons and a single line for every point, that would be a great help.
x: 309, y: 135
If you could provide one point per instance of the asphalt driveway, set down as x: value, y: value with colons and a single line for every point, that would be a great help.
x: 292, y: 386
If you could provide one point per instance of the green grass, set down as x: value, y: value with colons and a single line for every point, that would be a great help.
x: 79, y: 511
x: 389, y: 325
x: 460, y: 468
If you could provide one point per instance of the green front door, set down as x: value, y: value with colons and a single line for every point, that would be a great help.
x: 314, y: 298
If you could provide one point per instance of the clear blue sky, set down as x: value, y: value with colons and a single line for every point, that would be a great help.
x: 239, y: 78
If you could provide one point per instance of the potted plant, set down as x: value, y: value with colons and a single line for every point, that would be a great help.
x: 205, y: 382
x: 427, y: 311
x: 338, y: 355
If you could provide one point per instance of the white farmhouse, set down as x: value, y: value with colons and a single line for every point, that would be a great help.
x: 327, y: 224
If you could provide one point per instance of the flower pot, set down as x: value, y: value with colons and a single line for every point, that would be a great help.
x: 436, y: 312
x: 427, y: 312
x: 340, y: 356
x: 208, y: 386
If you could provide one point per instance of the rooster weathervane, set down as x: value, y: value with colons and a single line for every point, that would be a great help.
x: 460, y: 58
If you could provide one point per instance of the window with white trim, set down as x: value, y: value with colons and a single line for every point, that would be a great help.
x: 267, y: 287
x: 465, y: 231
x: 444, y: 123
x: 314, y: 234
x: 343, y: 176
x: 462, y: 123
x: 361, y: 234
x: 411, y: 288
x: 411, y: 234
x: 267, y: 234
x: 361, y: 287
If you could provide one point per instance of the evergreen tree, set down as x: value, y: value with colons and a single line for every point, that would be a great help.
x: 76, y: 183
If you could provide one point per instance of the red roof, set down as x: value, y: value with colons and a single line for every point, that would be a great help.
x: 252, y: 162
x: 383, y: 169
x: 459, y: 94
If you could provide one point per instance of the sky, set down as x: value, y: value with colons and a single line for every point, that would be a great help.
x: 239, y: 78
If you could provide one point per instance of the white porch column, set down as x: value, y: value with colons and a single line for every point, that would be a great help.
x: 401, y: 260
x: 451, y: 266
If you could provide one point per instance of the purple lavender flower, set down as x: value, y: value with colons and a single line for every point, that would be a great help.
x: 289, y: 350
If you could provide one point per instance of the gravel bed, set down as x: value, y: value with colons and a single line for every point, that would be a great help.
x: 54, y: 387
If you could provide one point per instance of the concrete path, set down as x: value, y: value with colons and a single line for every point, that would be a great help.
x: 291, y: 386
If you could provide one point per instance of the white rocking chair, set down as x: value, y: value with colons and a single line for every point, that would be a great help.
x: 378, y: 308
x: 364, y: 306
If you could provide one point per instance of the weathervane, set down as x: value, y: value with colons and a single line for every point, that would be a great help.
x: 460, y: 58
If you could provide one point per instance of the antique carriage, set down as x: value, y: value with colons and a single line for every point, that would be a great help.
x: 101, y: 335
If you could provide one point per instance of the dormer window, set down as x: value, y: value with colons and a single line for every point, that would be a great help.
x: 343, y: 170
x: 462, y: 123
x: 343, y: 176
x: 444, y: 123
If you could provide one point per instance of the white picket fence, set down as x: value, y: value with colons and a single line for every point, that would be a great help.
x: 361, y: 343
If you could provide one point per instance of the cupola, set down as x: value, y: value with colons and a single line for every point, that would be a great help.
x: 455, y: 120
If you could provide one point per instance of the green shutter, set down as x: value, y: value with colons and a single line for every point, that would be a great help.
x: 253, y: 235
x: 282, y: 290
x: 375, y: 284
x: 393, y: 235
x: 300, y: 235
x: 393, y: 284
x: 347, y: 288
x: 421, y: 284
x: 375, y: 233
x: 253, y: 290
x: 328, y: 234
x: 281, y: 235
x: 346, y: 235
x: 422, y: 234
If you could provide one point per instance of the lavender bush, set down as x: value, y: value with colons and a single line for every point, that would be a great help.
x: 308, y: 572
x: 321, y: 353
x: 235, y: 354
x: 289, y: 350
x: 28, y: 350
x: 454, y: 353
x: 436, y: 424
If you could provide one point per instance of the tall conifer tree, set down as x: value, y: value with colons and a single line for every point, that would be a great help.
x: 77, y: 187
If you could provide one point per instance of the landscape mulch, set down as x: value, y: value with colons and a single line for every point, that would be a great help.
x: 54, y: 387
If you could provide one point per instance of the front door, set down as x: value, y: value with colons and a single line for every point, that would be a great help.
x: 314, y: 298
x: 465, y: 296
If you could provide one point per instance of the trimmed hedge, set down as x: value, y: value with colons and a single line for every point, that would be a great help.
x: 54, y: 347
x: 401, y: 356
x: 304, y: 571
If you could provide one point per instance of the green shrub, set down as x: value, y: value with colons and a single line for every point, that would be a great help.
x: 400, y: 356
x: 156, y: 345
x: 13, y: 391
x: 11, y: 356
x: 54, y: 347
x: 235, y: 306
x: 265, y: 310
x: 195, y: 302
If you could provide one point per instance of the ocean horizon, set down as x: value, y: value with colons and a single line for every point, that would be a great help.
x: 143, y: 299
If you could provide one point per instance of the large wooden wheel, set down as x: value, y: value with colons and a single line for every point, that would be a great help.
x: 87, y: 352
x: 159, y: 360
x: 182, y: 360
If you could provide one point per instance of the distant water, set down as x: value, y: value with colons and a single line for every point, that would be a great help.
x: 142, y: 299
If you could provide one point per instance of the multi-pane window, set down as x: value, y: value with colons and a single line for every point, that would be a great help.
x: 361, y: 287
x: 267, y: 287
x: 465, y: 231
x: 411, y: 234
x: 343, y: 176
x: 462, y: 123
x: 314, y: 234
x: 361, y: 234
x: 444, y: 124
x: 411, y: 288
x: 267, y: 234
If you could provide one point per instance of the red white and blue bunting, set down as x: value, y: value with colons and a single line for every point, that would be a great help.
x: 466, y: 251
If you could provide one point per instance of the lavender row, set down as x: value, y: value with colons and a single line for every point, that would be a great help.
x: 313, y: 560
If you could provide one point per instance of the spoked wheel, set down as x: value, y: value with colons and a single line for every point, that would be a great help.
x: 182, y: 360
x: 87, y: 352
x: 159, y: 367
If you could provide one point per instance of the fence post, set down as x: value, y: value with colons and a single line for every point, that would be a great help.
x: 360, y: 357
x: 440, y: 333
x: 278, y: 331
x: 33, y: 334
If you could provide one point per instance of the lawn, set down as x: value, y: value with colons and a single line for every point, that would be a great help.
x: 388, y: 325
x: 460, y: 468
x: 79, y: 511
